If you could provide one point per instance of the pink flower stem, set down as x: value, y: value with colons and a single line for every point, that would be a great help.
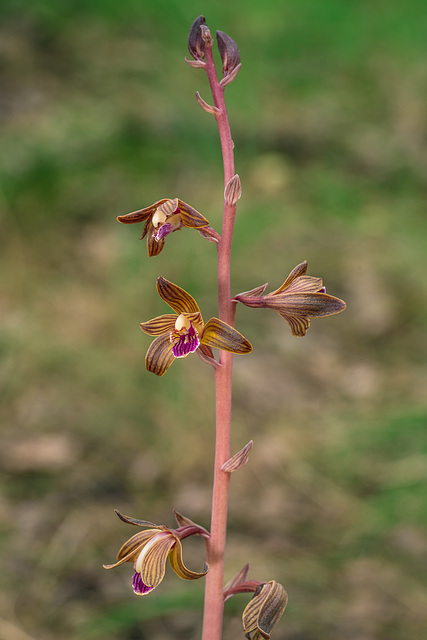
x: 214, y: 600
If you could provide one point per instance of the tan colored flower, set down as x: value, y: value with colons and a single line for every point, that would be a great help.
x: 184, y: 332
x: 264, y: 610
x: 300, y: 298
x: 149, y: 551
x: 162, y: 218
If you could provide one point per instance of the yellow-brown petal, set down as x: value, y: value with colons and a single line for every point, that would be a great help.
x: 177, y: 564
x: 141, y: 214
x: 160, y: 325
x: 313, y: 305
x: 132, y: 547
x: 154, y: 562
x: 304, y: 284
x: 219, y: 335
x: 154, y: 246
x: 273, y: 608
x: 190, y: 217
x: 178, y: 299
x: 299, y: 270
x: 298, y: 324
x: 169, y: 206
x: 159, y: 355
x: 264, y: 611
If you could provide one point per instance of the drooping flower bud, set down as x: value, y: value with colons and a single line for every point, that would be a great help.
x: 229, y: 52
x: 196, y: 44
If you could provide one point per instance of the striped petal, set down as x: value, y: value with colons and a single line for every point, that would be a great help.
x: 190, y: 217
x: 132, y: 547
x: 178, y: 299
x: 141, y: 214
x: 154, y: 246
x: 160, y: 325
x: 298, y: 324
x: 151, y: 563
x: 299, y: 270
x: 264, y: 611
x: 159, y: 355
x: 175, y: 560
x: 304, y: 284
x: 219, y: 335
x: 313, y: 305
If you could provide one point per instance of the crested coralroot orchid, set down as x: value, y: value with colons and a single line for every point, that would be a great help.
x: 162, y: 218
x: 300, y: 298
x: 185, y: 332
x: 150, y: 549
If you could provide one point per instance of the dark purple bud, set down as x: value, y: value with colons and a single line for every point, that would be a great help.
x: 229, y: 52
x: 196, y: 44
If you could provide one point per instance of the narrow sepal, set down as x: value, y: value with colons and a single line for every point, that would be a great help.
x: 299, y: 270
x: 159, y: 355
x: 299, y: 324
x: 135, y: 521
x: 240, y: 577
x: 158, y: 326
x: 177, y: 564
x: 219, y: 335
x: 183, y: 521
x: 191, y: 217
x: 147, y: 226
x: 253, y: 293
x: 178, y: 299
x: 304, y: 284
x: 315, y: 305
x: 239, y: 459
x: 129, y: 551
x: 141, y: 214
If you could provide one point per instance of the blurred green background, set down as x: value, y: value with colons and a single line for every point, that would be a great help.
x: 99, y: 118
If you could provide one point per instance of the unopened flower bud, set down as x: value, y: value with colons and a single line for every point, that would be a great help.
x: 206, y: 35
x: 233, y: 190
x: 229, y: 52
x: 196, y: 44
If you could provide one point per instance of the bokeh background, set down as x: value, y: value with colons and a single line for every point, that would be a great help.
x: 99, y: 118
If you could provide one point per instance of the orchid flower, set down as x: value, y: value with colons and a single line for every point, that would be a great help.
x: 162, y: 218
x: 184, y: 332
x: 300, y: 298
x: 150, y: 549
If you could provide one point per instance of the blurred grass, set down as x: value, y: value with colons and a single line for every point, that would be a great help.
x: 98, y: 118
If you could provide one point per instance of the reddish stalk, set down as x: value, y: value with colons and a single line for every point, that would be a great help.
x: 214, y: 601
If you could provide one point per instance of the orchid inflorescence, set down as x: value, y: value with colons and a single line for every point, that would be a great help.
x: 178, y: 334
